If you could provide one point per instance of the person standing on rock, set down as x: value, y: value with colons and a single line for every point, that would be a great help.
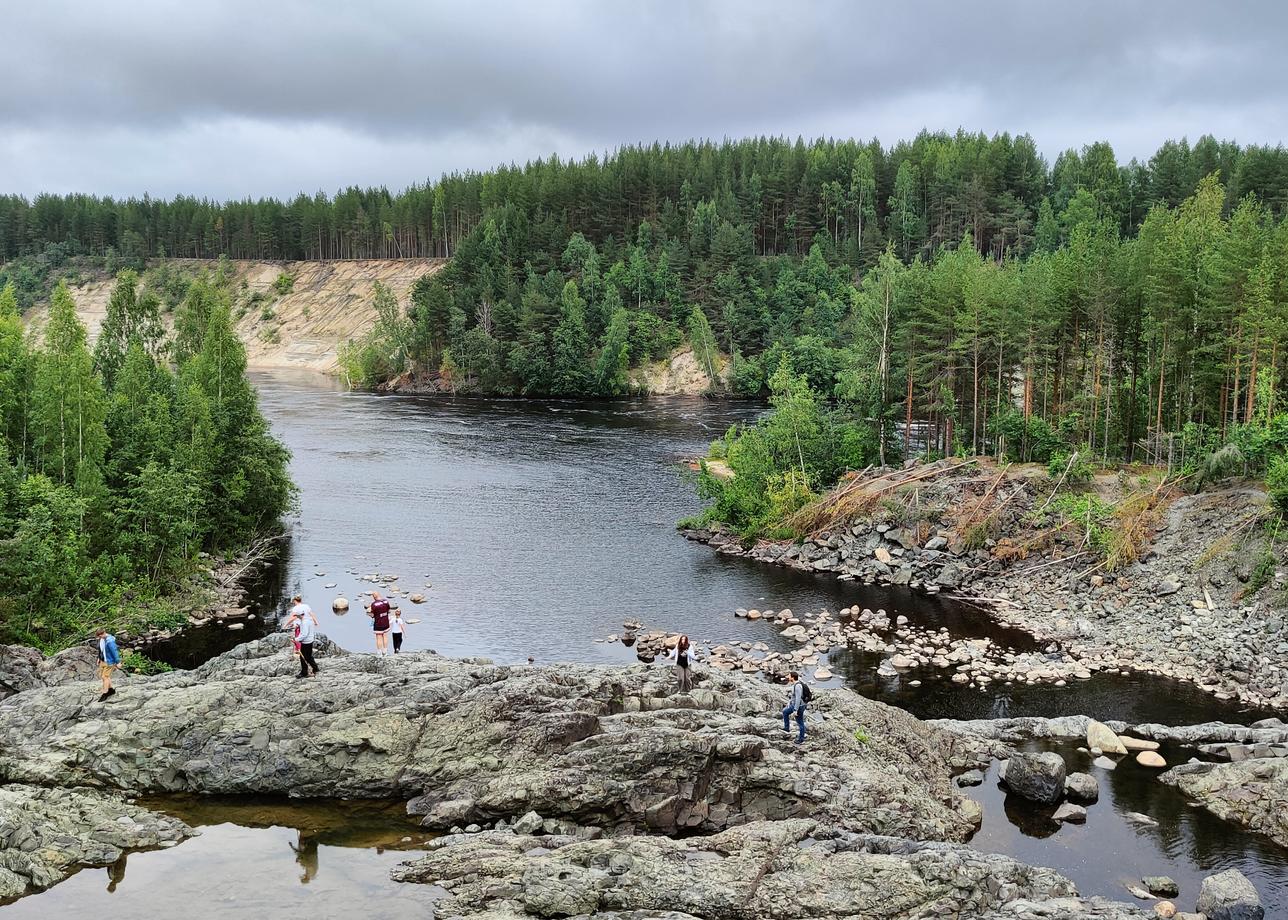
x: 109, y: 659
x: 682, y: 657
x: 304, y: 623
x: 396, y: 630
x: 379, y: 613
x: 800, y: 696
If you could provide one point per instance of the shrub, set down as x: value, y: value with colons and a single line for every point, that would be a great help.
x: 284, y: 284
x: 1277, y: 484
x: 1027, y: 440
x: 1079, y: 472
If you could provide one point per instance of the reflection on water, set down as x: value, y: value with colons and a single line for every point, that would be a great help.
x: 534, y: 529
x: 1112, y: 851
x: 253, y: 859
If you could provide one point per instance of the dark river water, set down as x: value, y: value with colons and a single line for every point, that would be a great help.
x: 539, y: 527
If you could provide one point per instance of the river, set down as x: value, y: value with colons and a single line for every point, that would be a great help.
x: 534, y: 529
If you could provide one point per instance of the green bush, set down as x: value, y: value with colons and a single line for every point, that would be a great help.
x: 1029, y: 440
x: 1080, y: 472
x: 284, y: 284
x: 1277, y: 484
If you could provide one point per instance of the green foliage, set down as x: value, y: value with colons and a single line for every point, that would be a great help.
x: 117, y: 470
x: 284, y: 284
x: 782, y: 460
x: 1093, y: 516
x: 861, y: 735
x: 1071, y: 468
x: 1027, y: 440
x: 139, y: 663
x: 1277, y: 484
x: 382, y: 353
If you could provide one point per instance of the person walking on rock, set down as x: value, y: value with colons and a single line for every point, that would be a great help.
x: 396, y: 630
x: 304, y: 624
x: 682, y: 657
x: 379, y: 613
x: 801, y: 695
x: 109, y: 659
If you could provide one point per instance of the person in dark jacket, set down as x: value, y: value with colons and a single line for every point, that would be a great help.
x: 796, y: 704
x: 109, y: 659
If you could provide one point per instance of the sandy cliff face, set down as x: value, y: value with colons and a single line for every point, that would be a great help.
x: 329, y: 303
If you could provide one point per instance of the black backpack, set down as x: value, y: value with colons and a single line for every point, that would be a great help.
x: 682, y: 659
x: 806, y: 693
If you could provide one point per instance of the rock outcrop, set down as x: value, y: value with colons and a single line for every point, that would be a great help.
x: 783, y: 869
x: 1250, y: 793
x: 48, y: 834
x: 473, y: 742
x: 1229, y: 895
x: 23, y: 668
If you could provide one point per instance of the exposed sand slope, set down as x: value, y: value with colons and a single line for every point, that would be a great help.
x: 330, y: 303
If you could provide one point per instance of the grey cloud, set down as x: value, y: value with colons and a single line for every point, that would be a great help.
x: 465, y: 85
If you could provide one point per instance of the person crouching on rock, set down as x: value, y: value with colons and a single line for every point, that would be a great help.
x: 303, y: 622
x: 800, y: 696
x: 379, y: 613
x: 682, y: 657
x: 109, y: 659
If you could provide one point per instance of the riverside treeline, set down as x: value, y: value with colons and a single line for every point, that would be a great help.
x: 950, y: 294
x: 118, y: 466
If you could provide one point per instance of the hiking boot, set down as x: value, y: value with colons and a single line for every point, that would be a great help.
x: 111, y: 692
x: 104, y: 697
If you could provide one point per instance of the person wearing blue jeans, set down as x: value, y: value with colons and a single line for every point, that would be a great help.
x: 796, y: 705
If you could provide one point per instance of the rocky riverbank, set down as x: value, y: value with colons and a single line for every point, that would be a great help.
x: 590, y: 792
x: 1183, y: 606
x: 47, y: 834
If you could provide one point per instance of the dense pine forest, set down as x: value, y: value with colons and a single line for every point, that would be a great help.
x: 120, y: 464
x: 955, y: 293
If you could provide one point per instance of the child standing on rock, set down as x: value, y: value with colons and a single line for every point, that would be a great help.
x: 396, y: 630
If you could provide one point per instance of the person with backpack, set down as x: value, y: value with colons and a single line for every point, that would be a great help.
x: 682, y: 657
x: 379, y: 613
x: 109, y: 659
x: 800, y: 698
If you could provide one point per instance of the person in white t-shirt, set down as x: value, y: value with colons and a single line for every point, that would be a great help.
x: 304, y: 624
x: 396, y: 630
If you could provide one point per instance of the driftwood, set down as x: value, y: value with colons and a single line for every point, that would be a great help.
x: 256, y: 553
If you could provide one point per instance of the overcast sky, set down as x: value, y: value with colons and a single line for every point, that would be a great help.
x: 229, y: 98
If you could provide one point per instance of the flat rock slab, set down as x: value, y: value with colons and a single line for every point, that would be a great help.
x: 1250, y: 793
x: 474, y: 742
x: 48, y: 834
x: 785, y: 870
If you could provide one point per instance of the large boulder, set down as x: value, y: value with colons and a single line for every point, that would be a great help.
x: 474, y: 742
x: 1229, y: 895
x: 48, y: 834
x: 1037, y: 777
x: 1250, y: 793
x: 1103, y: 738
x: 783, y: 869
x: 23, y: 668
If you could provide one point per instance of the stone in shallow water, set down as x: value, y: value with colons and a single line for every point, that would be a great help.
x: 1082, y: 787
x: 1151, y: 759
x: 1068, y: 813
x: 1163, y: 886
x: 1229, y: 895
x: 1037, y: 777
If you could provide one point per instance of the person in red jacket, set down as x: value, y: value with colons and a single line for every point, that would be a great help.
x: 379, y: 613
